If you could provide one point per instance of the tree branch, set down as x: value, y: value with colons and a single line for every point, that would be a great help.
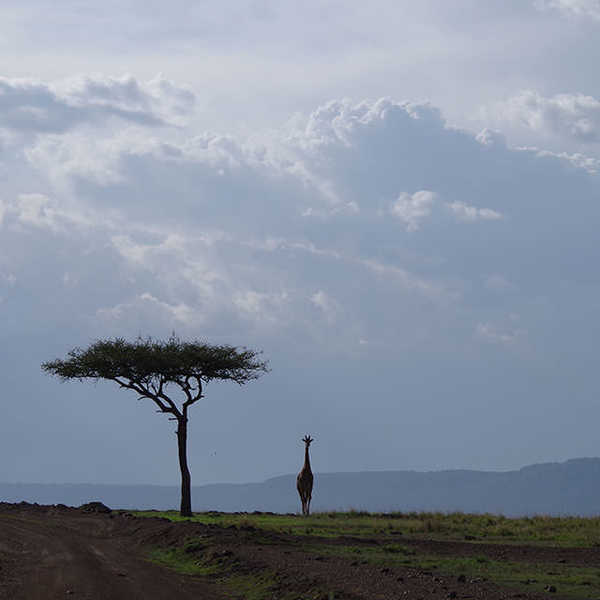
x: 166, y: 398
x: 169, y: 407
x: 191, y: 398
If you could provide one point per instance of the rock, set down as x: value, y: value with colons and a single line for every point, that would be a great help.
x: 95, y: 507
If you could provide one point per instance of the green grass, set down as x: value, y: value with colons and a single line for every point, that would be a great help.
x: 188, y: 559
x: 390, y: 530
x: 197, y: 558
x: 539, y: 530
x: 574, y: 582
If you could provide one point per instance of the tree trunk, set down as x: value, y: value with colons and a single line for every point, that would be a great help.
x: 186, y: 479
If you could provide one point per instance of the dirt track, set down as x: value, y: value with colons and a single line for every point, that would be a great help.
x: 48, y: 553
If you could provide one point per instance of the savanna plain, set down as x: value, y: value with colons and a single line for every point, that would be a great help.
x: 49, y: 552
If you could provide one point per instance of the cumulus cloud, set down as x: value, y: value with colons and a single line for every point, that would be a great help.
x: 574, y: 116
x: 30, y: 105
x: 39, y: 211
x: 147, y: 230
x: 213, y: 232
x: 491, y: 137
x: 411, y: 209
x: 578, y: 160
x: 237, y: 230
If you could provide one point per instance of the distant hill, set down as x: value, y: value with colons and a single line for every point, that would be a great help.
x: 569, y: 488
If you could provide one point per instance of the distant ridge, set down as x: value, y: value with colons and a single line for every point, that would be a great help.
x: 568, y: 488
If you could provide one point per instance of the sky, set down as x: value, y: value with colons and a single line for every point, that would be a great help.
x: 396, y: 201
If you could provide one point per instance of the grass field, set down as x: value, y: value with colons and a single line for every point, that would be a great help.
x: 399, y: 541
x: 568, y: 532
x: 575, y: 582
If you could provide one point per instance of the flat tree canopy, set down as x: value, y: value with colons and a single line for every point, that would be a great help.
x: 156, y: 369
x: 148, y: 363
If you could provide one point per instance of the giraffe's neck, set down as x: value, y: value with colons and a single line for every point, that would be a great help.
x: 306, y: 459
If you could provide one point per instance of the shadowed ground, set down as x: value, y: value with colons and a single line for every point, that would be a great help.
x: 51, y: 552
x: 67, y: 554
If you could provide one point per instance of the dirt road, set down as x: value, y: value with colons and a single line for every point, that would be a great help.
x: 59, y: 554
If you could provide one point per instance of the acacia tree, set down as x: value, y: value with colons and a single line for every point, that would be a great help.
x: 171, y: 373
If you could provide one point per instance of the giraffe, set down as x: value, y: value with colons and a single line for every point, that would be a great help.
x: 304, y: 481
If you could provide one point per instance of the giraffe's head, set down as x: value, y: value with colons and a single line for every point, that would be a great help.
x: 307, y: 440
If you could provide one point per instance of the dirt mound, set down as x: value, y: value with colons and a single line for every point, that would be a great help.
x: 96, y: 507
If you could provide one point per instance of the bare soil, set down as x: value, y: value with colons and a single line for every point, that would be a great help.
x: 51, y: 552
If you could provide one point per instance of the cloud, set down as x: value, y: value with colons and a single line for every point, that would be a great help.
x: 496, y: 335
x: 264, y: 310
x: 39, y: 211
x: 573, y: 116
x: 578, y: 160
x: 30, y: 105
x: 145, y: 230
x: 204, y: 228
x: 411, y: 209
x: 574, y: 8
x: 464, y: 212
x: 215, y: 233
x: 146, y: 306
x: 326, y: 304
x: 491, y: 137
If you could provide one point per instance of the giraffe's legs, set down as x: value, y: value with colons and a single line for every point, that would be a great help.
x: 305, y: 505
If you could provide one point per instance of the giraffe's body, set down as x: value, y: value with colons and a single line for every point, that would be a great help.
x: 304, y: 481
